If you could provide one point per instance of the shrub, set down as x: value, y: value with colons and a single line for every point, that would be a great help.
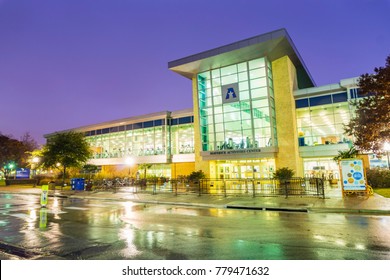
x: 283, y: 174
x: 196, y: 175
x: 351, y: 153
x: 378, y: 178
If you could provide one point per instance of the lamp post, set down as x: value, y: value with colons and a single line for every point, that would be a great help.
x: 11, y: 166
x: 35, y: 161
x: 129, y: 162
x: 386, y: 147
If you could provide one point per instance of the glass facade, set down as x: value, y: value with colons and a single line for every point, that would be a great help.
x: 182, y: 139
x: 155, y: 137
x: 321, y: 168
x: 248, y: 121
x: 321, y: 119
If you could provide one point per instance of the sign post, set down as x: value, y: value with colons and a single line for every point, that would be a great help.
x: 44, y: 195
x: 353, y: 179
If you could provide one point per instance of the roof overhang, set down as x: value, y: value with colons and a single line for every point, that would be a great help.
x: 273, y: 45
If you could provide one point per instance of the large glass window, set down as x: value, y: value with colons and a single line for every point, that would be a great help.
x: 245, y: 123
x: 182, y: 139
x: 322, y: 124
x: 141, y: 139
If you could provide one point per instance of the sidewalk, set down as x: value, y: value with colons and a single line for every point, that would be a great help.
x: 333, y: 203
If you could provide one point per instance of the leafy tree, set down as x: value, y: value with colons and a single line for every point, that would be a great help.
x: 196, y: 175
x: 145, y: 167
x: 90, y: 169
x: 34, y: 160
x: 371, y: 127
x: 67, y: 149
x: 12, y: 153
x: 283, y: 174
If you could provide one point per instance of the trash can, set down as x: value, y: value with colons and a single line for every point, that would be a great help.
x: 73, y: 183
x: 77, y: 184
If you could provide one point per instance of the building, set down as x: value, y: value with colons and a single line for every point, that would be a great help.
x: 163, y: 140
x: 256, y: 109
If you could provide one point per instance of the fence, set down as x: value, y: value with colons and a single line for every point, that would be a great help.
x: 313, y: 187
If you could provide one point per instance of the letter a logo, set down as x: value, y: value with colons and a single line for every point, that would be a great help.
x: 230, y: 93
x: 230, y: 90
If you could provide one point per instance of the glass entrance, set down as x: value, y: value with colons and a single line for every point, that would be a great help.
x: 321, y: 168
x: 245, y: 169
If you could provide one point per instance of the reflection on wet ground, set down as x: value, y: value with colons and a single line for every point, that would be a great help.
x: 94, y: 229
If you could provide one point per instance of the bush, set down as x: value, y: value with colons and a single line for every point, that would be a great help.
x: 283, y: 174
x: 378, y: 178
x: 196, y: 175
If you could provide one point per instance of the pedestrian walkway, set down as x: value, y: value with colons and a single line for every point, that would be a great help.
x: 333, y: 202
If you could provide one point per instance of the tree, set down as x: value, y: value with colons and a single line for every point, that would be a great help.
x: 371, y: 127
x: 283, y: 174
x: 29, y: 142
x: 196, y: 175
x: 64, y: 150
x: 13, y: 154
x: 90, y: 169
x: 145, y: 167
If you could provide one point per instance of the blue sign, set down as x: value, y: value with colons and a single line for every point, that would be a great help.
x: 230, y: 93
x: 22, y: 173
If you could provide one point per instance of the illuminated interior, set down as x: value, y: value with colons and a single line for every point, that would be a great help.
x: 247, y: 123
x: 321, y: 121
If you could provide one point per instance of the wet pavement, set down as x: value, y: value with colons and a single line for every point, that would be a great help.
x: 333, y: 202
x: 98, y: 226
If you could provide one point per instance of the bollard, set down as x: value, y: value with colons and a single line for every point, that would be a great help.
x: 44, y: 195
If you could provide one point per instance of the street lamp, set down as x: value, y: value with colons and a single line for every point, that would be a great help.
x: 10, y: 167
x: 35, y: 161
x: 129, y: 161
x: 386, y: 147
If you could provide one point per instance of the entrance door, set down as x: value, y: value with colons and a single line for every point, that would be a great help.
x: 245, y: 169
x: 325, y: 168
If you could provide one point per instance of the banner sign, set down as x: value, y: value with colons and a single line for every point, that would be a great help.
x: 230, y: 152
x: 22, y: 173
x: 352, y: 174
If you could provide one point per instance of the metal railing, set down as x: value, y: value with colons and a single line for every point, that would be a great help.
x: 313, y: 187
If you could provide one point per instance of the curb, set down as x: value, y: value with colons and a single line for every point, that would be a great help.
x: 350, y: 211
x: 226, y: 206
x: 267, y: 208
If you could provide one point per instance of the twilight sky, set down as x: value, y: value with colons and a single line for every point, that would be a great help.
x: 70, y: 63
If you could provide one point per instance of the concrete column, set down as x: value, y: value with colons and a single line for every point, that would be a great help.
x: 285, y: 82
x: 199, y: 163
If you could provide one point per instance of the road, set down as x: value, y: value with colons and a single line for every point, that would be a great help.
x: 116, y: 230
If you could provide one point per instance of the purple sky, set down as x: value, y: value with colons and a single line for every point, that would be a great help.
x: 69, y: 63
